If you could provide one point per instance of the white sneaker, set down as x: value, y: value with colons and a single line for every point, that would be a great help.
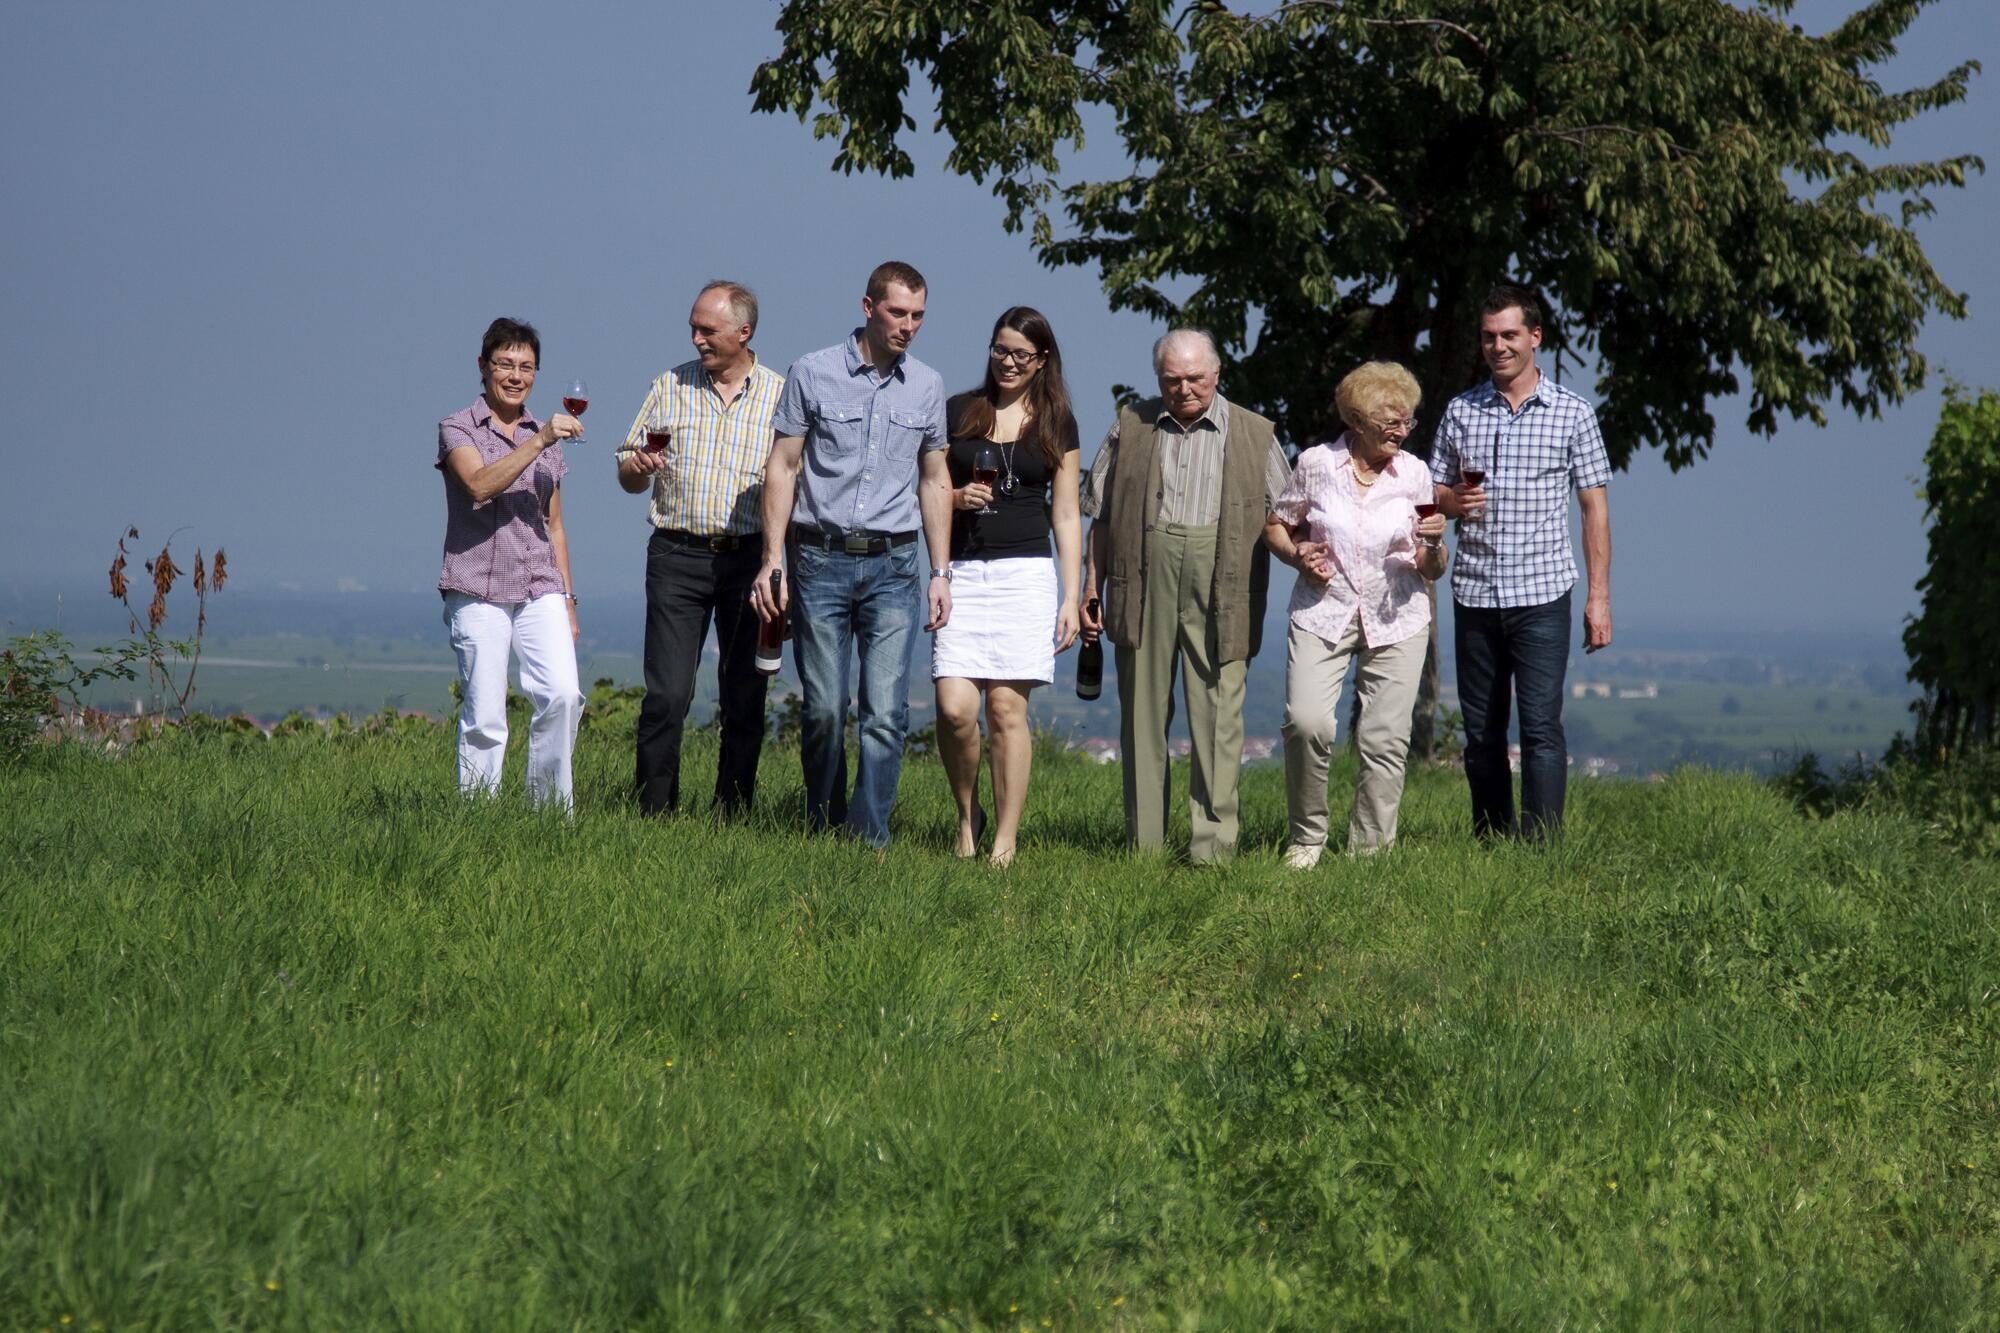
x: 1300, y: 857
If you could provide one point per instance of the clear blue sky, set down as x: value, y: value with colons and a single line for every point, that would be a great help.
x: 251, y: 249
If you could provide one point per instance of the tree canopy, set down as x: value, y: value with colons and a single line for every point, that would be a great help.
x: 1954, y: 642
x: 1688, y: 183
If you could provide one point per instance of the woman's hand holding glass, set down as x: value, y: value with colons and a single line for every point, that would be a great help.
x: 559, y: 426
x: 1430, y: 527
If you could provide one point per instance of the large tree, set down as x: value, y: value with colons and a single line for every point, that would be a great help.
x: 1682, y: 180
x: 1693, y: 186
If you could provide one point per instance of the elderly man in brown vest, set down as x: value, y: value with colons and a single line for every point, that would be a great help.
x: 1179, y: 493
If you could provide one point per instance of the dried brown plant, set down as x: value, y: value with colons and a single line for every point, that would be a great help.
x: 155, y: 650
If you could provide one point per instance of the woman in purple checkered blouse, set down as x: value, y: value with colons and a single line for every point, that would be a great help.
x: 506, y: 583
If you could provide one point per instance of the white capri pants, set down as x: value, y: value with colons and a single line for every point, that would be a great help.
x: 482, y: 633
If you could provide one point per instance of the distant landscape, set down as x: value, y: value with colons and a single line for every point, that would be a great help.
x: 1649, y: 704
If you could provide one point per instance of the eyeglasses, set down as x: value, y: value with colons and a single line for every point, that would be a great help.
x: 1017, y: 355
x: 510, y: 368
x: 1404, y: 424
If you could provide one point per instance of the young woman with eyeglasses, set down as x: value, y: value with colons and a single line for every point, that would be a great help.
x: 1013, y: 464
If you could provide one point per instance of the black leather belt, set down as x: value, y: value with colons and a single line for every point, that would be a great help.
x: 854, y: 541
x: 729, y: 542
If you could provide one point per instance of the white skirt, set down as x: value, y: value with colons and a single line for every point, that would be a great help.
x: 1003, y: 621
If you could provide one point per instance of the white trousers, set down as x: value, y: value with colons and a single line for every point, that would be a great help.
x: 1386, y: 680
x: 482, y: 633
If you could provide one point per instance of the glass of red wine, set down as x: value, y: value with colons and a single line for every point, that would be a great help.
x: 1474, y: 477
x: 576, y: 397
x: 657, y: 435
x: 986, y: 471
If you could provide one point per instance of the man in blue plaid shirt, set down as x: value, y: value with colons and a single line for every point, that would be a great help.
x: 1507, y: 455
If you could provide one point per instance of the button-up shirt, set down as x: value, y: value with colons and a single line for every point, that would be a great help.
x: 1190, y: 468
x: 498, y: 550
x: 1370, y: 534
x: 863, y: 432
x: 713, y: 484
x: 1519, y: 554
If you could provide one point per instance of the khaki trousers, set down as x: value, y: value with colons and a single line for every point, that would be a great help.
x: 1386, y: 681
x: 1177, y: 623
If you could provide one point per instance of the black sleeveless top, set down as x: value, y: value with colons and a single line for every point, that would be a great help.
x: 1020, y: 525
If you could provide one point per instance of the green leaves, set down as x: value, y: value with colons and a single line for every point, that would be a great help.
x: 1345, y: 178
x: 1954, y: 642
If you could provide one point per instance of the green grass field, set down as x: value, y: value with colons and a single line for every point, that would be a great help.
x: 293, y: 1038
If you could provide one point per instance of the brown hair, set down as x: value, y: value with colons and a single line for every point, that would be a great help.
x: 1506, y: 296
x: 1049, y: 414
x: 895, y: 270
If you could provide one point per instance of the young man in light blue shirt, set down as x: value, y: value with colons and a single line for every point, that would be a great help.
x: 855, y: 484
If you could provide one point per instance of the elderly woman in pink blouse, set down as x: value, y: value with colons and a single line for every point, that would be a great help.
x: 506, y: 580
x: 1359, y: 522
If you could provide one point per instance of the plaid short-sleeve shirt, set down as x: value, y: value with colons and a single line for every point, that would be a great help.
x: 1519, y: 553
x: 713, y: 485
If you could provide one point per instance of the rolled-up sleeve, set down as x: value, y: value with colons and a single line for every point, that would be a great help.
x: 452, y: 434
x: 935, y: 435
x: 1097, y: 481
x: 789, y: 416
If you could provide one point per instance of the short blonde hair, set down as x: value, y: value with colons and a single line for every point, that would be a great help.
x: 1374, y: 385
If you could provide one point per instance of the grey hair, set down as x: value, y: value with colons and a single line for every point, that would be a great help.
x: 1173, y: 338
x: 742, y: 301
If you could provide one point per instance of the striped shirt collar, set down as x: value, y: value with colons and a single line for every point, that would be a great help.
x: 1215, y: 416
x: 694, y: 374
x: 482, y: 414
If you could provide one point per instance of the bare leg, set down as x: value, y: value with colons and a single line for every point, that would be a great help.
x: 1013, y: 750
x: 958, y: 746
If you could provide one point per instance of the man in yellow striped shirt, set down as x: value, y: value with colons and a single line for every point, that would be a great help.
x: 699, y: 445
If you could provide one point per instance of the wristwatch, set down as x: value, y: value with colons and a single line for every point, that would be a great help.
x: 944, y: 573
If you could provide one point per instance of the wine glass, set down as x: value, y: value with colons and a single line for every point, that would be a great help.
x: 576, y: 397
x: 658, y: 433
x: 986, y: 471
x: 1474, y: 476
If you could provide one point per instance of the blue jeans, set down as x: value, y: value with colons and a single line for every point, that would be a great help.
x: 1519, y: 653
x: 873, y: 602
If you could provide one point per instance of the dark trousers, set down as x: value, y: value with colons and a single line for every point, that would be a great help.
x: 686, y: 584
x: 1518, y: 654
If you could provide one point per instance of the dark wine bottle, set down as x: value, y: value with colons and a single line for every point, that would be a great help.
x: 1090, y: 661
x: 772, y: 633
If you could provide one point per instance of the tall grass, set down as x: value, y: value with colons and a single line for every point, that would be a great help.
x: 294, y: 1038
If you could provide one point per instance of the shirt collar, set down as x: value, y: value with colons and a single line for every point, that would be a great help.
x: 699, y: 377
x: 1493, y: 394
x: 858, y: 364
x: 1216, y: 414
x: 482, y: 414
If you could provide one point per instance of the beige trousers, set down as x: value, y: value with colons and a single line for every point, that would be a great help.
x: 1177, y: 623
x: 1386, y: 681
